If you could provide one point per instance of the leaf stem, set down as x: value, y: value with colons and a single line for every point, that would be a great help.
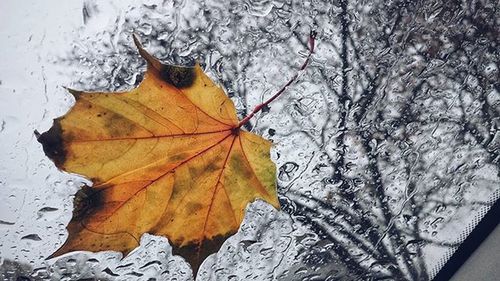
x: 312, y: 38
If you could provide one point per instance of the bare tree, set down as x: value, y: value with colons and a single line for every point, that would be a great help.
x: 413, y: 119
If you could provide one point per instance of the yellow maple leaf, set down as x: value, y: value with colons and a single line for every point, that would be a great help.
x: 168, y: 158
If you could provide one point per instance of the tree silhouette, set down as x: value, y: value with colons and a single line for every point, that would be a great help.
x: 412, y: 123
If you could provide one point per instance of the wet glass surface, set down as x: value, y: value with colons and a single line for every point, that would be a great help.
x: 387, y: 147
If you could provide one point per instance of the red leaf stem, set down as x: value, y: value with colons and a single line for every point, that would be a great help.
x: 259, y: 107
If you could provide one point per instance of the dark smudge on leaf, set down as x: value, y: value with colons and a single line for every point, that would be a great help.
x: 196, y: 254
x: 86, y: 200
x: 180, y: 77
x: 52, y: 143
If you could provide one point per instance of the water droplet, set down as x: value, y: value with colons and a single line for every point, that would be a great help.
x: 6, y: 222
x: 33, y: 237
x: 45, y: 210
x: 71, y: 262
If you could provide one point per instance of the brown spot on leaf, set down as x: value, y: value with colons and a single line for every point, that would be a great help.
x: 240, y: 166
x: 179, y: 157
x: 212, y: 167
x: 53, y: 144
x: 118, y: 126
x: 86, y: 201
x: 196, y: 253
x: 193, y: 207
x: 180, y: 77
x: 76, y: 94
